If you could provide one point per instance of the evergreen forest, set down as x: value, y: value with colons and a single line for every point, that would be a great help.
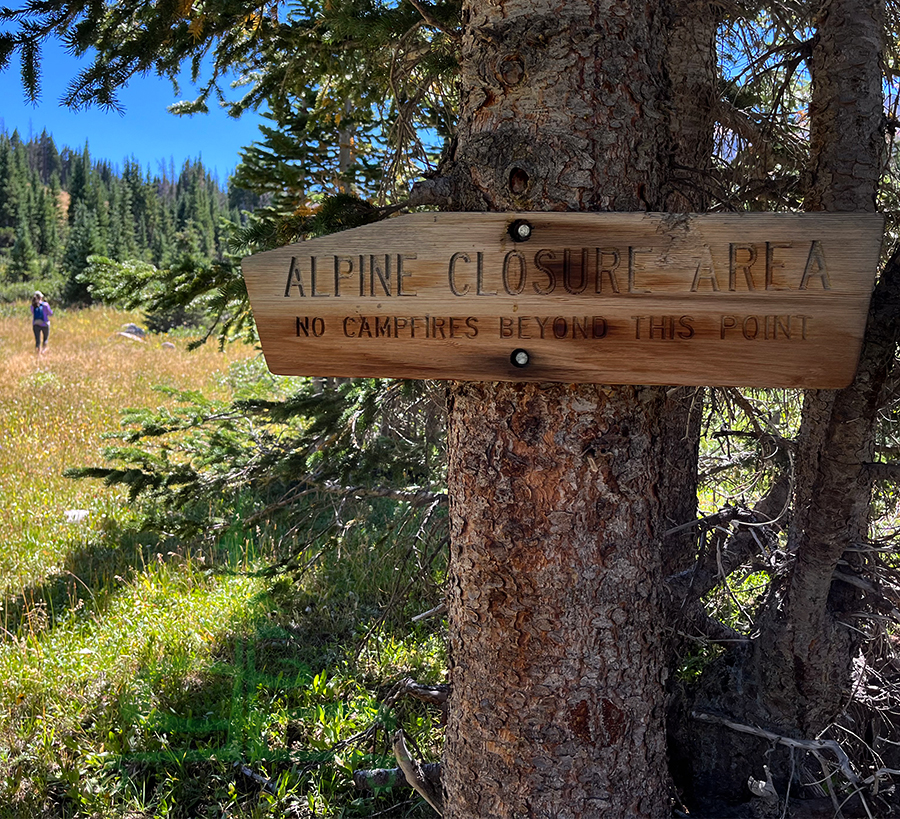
x: 60, y: 207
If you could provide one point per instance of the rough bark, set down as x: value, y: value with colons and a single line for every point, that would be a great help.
x: 678, y: 480
x: 691, y: 69
x: 557, y: 681
x: 562, y: 106
x: 806, y: 672
x: 557, y: 669
x: 847, y: 108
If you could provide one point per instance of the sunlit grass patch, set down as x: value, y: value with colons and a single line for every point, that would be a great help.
x: 89, y: 698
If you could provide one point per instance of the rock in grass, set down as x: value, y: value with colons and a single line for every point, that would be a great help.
x: 76, y: 515
x: 134, y: 329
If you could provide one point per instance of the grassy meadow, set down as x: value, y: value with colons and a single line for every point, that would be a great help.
x: 144, y: 677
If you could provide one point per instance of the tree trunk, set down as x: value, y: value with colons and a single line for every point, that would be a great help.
x: 795, y: 676
x: 691, y: 71
x: 557, y: 667
x: 808, y: 650
x: 847, y: 108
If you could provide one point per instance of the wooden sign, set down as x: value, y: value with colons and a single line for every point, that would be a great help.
x: 766, y: 300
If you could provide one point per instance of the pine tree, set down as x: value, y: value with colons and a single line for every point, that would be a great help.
x: 98, y: 203
x: 122, y: 242
x: 84, y: 241
x: 6, y: 194
x: 79, y: 180
x: 49, y: 243
x: 14, y: 190
x: 162, y: 235
x: 24, y: 259
x: 50, y: 163
x: 194, y: 206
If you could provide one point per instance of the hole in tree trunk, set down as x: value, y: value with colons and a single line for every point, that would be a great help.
x: 518, y: 181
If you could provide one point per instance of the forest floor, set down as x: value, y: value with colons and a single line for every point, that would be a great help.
x: 144, y: 677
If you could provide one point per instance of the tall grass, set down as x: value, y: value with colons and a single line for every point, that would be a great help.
x: 144, y: 677
x: 54, y: 409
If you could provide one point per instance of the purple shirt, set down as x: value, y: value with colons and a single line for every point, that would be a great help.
x: 41, y: 314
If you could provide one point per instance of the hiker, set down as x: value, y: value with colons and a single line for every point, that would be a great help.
x: 40, y: 315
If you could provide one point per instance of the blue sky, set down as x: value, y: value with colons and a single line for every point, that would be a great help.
x: 146, y: 130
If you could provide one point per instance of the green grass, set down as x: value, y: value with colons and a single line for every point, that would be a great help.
x: 145, y: 677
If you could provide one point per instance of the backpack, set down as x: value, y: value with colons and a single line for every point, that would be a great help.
x: 38, y: 313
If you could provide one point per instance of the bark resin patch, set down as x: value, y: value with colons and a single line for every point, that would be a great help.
x: 579, y: 721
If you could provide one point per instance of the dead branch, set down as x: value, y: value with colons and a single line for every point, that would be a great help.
x: 414, y: 497
x: 720, y: 518
x: 884, y: 471
x: 437, y: 611
x: 705, y: 627
x: 752, y: 527
x: 435, y: 694
x: 415, y: 775
x: 887, y: 597
x: 738, y: 461
x: 881, y: 773
x: 811, y: 745
x: 265, y: 783
x: 392, y: 777
x: 749, y: 411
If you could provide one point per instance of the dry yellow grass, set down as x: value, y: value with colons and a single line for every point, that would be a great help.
x: 54, y: 409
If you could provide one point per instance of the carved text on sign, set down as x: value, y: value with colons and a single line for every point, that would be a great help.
x: 599, y: 270
x: 662, y: 328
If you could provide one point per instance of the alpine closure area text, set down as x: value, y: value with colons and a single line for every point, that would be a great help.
x: 757, y: 299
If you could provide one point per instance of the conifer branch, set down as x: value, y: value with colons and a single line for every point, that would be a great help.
x: 431, y: 20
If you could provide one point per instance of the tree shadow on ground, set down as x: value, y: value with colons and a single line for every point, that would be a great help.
x: 93, y: 570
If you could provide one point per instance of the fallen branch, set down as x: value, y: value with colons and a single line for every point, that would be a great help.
x: 880, y: 774
x: 415, y: 774
x: 266, y: 784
